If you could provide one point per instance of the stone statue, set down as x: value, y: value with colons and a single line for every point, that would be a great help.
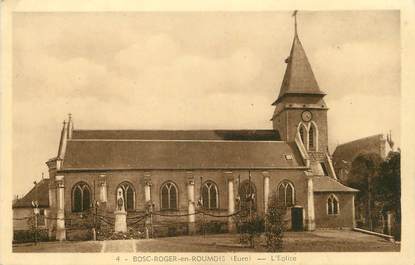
x: 120, y: 224
x: 120, y: 200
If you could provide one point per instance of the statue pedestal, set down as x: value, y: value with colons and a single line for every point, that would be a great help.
x: 120, y: 224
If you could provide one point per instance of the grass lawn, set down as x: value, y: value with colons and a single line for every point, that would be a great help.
x: 66, y: 246
x: 317, y: 241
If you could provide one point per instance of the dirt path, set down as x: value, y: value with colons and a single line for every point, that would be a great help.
x: 119, y: 246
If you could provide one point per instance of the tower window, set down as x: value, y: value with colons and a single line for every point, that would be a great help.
x: 311, y: 137
x: 302, y: 134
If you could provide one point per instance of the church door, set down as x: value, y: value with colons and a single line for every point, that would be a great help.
x: 297, y: 219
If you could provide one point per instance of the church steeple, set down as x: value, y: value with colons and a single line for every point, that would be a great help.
x: 299, y: 78
x: 300, y: 110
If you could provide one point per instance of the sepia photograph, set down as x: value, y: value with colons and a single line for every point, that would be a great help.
x: 222, y: 132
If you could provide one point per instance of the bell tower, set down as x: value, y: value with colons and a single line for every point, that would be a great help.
x: 300, y: 110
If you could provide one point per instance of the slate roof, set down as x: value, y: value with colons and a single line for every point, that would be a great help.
x: 328, y: 184
x: 230, y: 135
x: 299, y: 77
x: 348, y: 151
x: 42, y: 196
x: 178, y: 154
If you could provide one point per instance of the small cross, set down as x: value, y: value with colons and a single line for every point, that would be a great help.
x: 295, y: 20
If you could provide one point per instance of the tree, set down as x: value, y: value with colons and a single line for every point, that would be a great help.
x: 388, y: 187
x: 365, y: 168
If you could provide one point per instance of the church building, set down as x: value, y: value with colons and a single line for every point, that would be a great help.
x: 179, y: 171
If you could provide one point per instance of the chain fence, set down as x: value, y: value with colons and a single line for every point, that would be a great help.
x: 148, y: 224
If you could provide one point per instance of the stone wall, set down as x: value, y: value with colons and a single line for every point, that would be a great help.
x: 345, y: 218
x: 180, y: 178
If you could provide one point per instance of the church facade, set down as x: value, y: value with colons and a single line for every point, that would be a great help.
x: 178, y: 172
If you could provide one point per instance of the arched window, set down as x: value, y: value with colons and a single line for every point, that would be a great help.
x: 286, y: 193
x: 210, y: 196
x: 169, y: 196
x: 247, y: 195
x: 332, y: 205
x: 81, y: 197
x: 302, y: 134
x: 128, y: 194
x: 313, y: 136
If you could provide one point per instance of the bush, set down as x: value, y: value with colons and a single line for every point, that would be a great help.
x: 274, y: 227
x: 107, y: 233
x: 212, y: 227
x: 250, y: 228
x: 169, y: 230
x: 24, y: 236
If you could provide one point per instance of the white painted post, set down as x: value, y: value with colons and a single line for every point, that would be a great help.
x: 231, y: 203
x: 147, y: 198
x: 52, y: 205
x: 102, y: 188
x: 389, y: 223
x: 60, y: 222
x: 191, y: 205
x: 147, y: 190
x: 266, y: 191
x: 311, y: 225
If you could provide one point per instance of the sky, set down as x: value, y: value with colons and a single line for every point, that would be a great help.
x: 193, y: 70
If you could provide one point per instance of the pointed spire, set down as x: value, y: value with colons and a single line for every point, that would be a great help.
x: 62, y: 142
x: 70, y: 126
x: 299, y: 77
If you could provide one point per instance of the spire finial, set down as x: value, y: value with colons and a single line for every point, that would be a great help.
x: 295, y: 21
x: 389, y: 140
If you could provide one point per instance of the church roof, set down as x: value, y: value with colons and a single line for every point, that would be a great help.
x: 345, y: 153
x: 328, y: 184
x: 236, y: 135
x: 299, y: 77
x: 100, y: 154
x: 42, y: 196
